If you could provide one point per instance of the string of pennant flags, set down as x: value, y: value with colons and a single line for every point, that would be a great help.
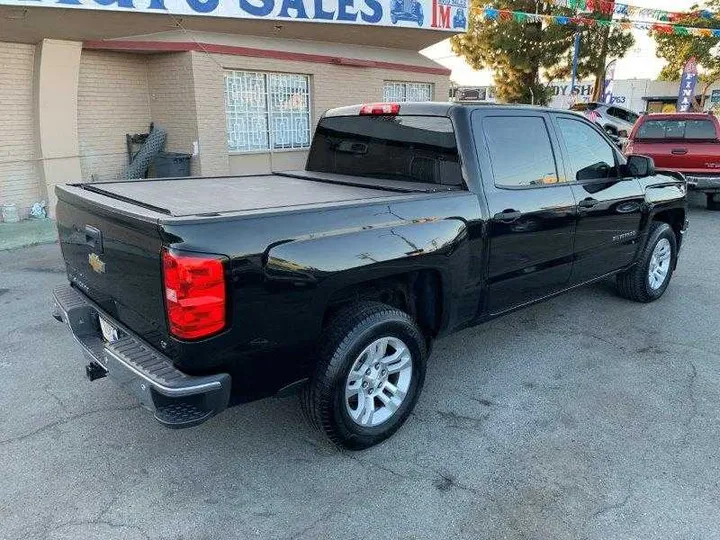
x: 611, y: 7
x: 494, y: 14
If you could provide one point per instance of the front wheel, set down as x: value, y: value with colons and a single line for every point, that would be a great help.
x: 650, y: 277
x: 369, y: 375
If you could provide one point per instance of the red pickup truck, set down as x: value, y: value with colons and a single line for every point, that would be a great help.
x: 684, y: 142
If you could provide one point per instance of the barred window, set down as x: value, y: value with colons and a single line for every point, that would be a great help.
x: 396, y: 91
x: 267, y: 111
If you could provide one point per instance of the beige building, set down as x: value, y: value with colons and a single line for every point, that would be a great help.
x: 240, y: 95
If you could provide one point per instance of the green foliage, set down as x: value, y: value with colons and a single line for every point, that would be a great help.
x: 499, y: 46
x: 677, y: 49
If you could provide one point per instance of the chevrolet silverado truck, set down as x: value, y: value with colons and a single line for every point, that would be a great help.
x: 685, y: 142
x: 410, y: 221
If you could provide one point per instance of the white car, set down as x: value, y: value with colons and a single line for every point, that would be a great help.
x: 612, y: 118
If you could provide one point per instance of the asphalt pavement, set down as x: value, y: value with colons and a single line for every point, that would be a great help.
x: 585, y: 417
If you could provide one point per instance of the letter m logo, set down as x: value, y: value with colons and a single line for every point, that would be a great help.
x: 440, y: 15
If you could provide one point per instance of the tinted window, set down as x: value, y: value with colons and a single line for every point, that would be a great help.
x: 591, y: 156
x: 409, y: 148
x: 676, y: 129
x: 520, y: 151
x: 623, y: 115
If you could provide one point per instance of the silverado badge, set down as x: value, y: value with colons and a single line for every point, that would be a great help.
x: 96, y: 263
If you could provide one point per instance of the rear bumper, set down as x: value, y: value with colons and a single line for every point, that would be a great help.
x: 177, y: 400
x: 709, y: 183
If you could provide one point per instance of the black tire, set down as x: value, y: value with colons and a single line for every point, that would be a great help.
x: 148, y: 152
x: 346, y: 336
x: 634, y: 283
x: 713, y: 201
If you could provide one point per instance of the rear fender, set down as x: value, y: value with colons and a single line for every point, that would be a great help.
x: 332, y: 263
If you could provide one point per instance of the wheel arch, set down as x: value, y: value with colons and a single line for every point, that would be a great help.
x: 419, y: 293
x: 675, y: 217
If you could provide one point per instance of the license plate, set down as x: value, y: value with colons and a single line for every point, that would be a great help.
x: 109, y: 332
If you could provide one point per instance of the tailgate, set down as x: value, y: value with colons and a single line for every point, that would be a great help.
x: 686, y: 156
x: 112, y: 252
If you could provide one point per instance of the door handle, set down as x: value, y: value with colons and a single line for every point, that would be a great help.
x: 587, y: 203
x: 93, y: 238
x: 679, y: 151
x: 508, y: 216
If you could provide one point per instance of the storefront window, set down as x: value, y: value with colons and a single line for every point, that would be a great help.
x: 267, y: 111
x: 395, y: 91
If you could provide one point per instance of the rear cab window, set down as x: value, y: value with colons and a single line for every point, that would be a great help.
x: 676, y: 129
x: 410, y: 148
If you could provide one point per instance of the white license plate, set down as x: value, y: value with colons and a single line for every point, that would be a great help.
x: 109, y: 332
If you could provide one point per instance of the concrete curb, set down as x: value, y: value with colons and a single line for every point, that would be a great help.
x: 29, y: 232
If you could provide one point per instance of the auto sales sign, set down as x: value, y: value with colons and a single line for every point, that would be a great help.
x: 450, y: 15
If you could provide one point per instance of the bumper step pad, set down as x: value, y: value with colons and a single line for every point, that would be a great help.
x: 178, y: 400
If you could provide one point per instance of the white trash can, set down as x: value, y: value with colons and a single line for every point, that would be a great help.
x: 10, y: 213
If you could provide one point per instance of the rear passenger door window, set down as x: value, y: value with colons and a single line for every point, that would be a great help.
x: 590, y: 156
x: 520, y: 151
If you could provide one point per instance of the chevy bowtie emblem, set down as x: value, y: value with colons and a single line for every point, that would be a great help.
x: 96, y: 263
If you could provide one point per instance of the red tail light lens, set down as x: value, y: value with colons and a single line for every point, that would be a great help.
x: 194, y: 294
x: 380, y: 109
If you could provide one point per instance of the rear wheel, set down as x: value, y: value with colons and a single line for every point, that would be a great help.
x: 369, y: 375
x: 648, y: 279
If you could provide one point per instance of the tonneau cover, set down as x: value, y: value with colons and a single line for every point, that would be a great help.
x: 194, y: 196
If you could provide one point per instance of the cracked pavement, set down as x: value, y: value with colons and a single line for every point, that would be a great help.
x: 586, y: 417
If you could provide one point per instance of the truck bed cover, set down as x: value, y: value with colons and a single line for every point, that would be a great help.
x: 206, y: 196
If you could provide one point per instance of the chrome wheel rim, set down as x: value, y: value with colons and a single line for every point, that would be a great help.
x: 378, y: 381
x: 659, y: 264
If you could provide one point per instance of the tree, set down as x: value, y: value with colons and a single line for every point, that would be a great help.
x: 516, y: 51
x: 599, y: 45
x: 677, y: 48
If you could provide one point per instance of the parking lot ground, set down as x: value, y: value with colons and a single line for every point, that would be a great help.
x: 587, y: 416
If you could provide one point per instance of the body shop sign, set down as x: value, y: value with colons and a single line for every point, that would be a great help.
x: 429, y: 14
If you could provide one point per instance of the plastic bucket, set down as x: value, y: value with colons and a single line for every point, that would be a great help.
x: 10, y: 213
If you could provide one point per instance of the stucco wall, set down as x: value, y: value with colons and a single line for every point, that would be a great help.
x: 113, y: 99
x: 172, y: 101
x: 331, y: 86
x: 19, y: 177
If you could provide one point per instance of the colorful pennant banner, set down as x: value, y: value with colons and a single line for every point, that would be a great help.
x: 629, y: 11
x: 663, y: 28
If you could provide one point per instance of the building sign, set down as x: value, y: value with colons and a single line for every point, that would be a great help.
x: 450, y: 15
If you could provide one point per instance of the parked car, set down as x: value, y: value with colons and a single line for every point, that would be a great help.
x: 406, y: 10
x: 411, y: 221
x: 684, y: 142
x: 617, y: 121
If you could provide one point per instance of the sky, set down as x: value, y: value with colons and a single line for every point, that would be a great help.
x: 639, y: 63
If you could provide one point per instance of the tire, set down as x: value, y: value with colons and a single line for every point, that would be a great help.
x: 148, y: 152
x: 712, y: 201
x: 636, y: 283
x: 344, y: 347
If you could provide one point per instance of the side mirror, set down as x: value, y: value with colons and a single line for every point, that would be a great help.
x: 640, y: 166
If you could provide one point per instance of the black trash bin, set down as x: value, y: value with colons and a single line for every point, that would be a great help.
x: 171, y: 164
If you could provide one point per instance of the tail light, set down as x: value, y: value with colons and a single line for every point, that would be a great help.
x: 380, y: 109
x: 194, y: 294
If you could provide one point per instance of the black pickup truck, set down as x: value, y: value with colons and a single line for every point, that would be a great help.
x: 409, y: 222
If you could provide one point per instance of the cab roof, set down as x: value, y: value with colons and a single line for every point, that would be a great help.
x: 437, y: 108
